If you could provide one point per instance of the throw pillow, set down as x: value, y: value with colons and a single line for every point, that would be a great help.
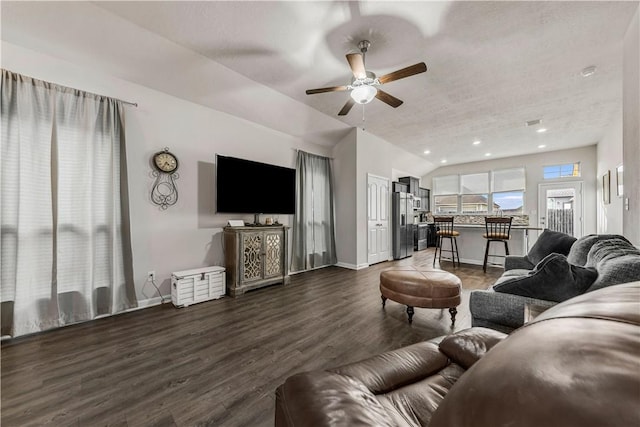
x: 617, y: 261
x: 552, y: 279
x: 550, y: 242
x: 580, y: 249
x: 605, y: 250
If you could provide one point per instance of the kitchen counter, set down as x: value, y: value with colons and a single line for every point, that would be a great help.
x: 471, y: 244
x: 519, y: 227
x: 455, y: 225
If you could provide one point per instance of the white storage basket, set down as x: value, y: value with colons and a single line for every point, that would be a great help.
x: 197, y: 285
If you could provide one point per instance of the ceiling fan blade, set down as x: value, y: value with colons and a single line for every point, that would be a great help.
x: 356, y: 62
x: 326, y: 89
x: 405, y: 72
x: 347, y: 107
x: 388, y: 99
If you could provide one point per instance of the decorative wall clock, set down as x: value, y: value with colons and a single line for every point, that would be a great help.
x: 164, y: 192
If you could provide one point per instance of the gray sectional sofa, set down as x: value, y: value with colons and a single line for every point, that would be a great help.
x: 557, y: 268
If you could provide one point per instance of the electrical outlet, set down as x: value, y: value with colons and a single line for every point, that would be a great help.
x: 151, y: 275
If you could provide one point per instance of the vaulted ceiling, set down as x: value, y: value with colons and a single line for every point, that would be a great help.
x: 492, y: 66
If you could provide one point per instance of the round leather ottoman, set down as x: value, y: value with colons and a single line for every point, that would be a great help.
x: 421, y: 288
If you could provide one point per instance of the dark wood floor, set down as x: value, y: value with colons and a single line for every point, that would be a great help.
x: 214, y: 363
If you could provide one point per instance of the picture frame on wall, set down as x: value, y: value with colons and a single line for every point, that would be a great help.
x: 619, y: 182
x: 606, y: 188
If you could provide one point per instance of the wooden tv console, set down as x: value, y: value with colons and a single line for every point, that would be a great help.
x: 255, y: 257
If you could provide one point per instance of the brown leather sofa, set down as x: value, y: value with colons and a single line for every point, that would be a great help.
x: 576, y: 364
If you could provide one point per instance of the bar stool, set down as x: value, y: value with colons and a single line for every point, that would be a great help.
x: 444, y: 230
x: 497, y: 229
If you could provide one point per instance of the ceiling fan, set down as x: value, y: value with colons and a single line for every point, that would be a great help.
x: 363, y: 84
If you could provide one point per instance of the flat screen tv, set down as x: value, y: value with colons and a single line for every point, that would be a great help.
x: 244, y: 186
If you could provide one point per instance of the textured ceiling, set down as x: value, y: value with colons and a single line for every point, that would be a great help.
x: 491, y: 65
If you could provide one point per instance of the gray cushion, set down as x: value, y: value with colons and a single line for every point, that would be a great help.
x: 499, y: 311
x: 552, y: 279
x: 616, y: 260
x: 550, y: 242
x: 582, y: 246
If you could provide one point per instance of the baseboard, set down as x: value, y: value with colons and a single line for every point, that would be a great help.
x: 471, y: 261
x: 151, y: 301
x: 477, y: 262
x: 352, y: 266
x: 291, y: 273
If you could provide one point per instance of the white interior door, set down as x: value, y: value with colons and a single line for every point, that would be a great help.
x: 560, y: 207
x: 378, y: 242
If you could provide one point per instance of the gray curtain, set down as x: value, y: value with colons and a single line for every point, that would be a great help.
x: 65, y: 250
x: 314, y: 243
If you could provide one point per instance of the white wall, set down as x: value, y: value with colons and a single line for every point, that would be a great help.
x: 357, y: 155
x: 621, y: 145
x: 631, y: 128
x: 378, y: 157
x: 344, y: 171
x: 533, y: 164
x: 187, y: 235
x: 609, y: 157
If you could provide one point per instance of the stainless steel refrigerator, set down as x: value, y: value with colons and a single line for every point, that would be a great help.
x: 402, y: 225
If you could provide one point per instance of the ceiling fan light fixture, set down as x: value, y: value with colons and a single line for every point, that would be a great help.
x: 364, y: 94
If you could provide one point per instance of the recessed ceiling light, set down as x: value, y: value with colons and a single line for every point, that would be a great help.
x: 541, y: 146
x: 588, y: 71
x: 487, y: 154
x: 427, y: 152
x: 476, y: 142
x: 443, y: 161
x: 541, y: 130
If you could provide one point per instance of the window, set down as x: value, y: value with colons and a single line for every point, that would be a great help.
x: 445, y: 190
x: 509, y: 202
x: 508, y: 187
x: 561, y: 171
x: 475, y: 193
x: 61, y: 206
x: 475, y: 204
x: 445, y: 204
x: 495, y: 192
x: 449, y: 184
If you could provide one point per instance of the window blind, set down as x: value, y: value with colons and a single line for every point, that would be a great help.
x: 448, y: 184
x: 508, y: 180
x: 477, y: 183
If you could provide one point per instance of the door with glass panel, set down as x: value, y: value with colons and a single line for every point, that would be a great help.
x: 560, y: 207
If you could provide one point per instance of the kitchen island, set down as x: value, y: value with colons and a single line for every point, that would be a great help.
x: 471, y: 244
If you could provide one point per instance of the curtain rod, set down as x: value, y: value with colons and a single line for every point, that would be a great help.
x: 135, y: 104
x: 313, y: 154
x: 60, y: 88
